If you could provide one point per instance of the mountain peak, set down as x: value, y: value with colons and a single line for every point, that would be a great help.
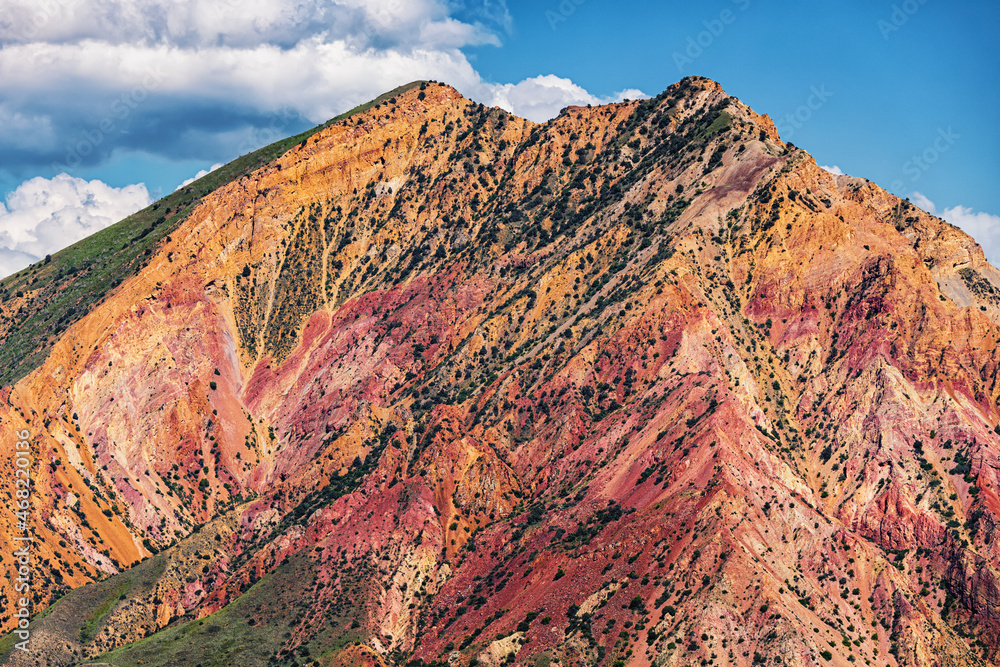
x: 436, y: 384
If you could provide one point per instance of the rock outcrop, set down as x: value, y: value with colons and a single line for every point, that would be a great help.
x: 640, y: 385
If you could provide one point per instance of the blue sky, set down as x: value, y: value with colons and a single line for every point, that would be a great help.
x: 896, y: 73
x: 130, y: 98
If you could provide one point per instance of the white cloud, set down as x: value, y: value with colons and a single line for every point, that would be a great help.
x: 542, y: 97
x: 244, y: 23
x: 835, y: 170
x: 316, y: 78
x: 12, y: 261
x: 212, y: 78
x: 983, y: 227
x: 202, y: 172
x: 84, y: 80
x: 923, y: 202
x: 45, y: 215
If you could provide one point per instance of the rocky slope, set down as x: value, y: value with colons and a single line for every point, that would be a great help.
x: 640, y: 385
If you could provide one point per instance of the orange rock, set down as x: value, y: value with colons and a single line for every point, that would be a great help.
x: 641, y: 383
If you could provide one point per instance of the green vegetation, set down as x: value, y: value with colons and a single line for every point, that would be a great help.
x: 80, y: 613
x: 337, y: 486
x: 100, y: 612
x: 7, y: 644
x: 720, y: 123
x: 298, y: 291
x: 62, y: 289
x: 980, y: 286
x: 248, y: 631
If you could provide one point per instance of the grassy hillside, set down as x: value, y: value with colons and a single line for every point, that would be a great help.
x: 43, y: 300
x: 251, y: 629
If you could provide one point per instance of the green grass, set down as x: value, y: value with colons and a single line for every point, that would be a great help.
x: 48, y: 610
x: 74, y: 280
x: 543, y: 660
x: 722, y: 122
x: 7, y: 644
x: 349, y: 638
x: 7, y: 641
x: 81, y: 611
x: 101, y: 611
x: 227, y: 637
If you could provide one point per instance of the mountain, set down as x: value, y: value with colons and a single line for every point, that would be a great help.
x: 433, y: 384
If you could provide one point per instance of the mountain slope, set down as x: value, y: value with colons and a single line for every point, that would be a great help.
x: 41, y: 301
x: 640, y: 384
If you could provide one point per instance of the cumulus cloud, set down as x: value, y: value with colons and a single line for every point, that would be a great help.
x: 923, y: 202
x: 245, y: 23
x: 835, y: 170
x: 983, y: 227
x: 45, y: 215
x: 542, y: 97
x: 134, y: 68
x: 12, y: 261
x: 143, y: 97
x: 202, y: 172
x: 88, y: 81
x: 145, y: 74
x: 316, y: 78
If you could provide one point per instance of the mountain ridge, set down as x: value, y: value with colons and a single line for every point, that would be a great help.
x: 431, y: 324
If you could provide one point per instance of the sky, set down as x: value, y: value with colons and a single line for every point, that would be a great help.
x: 106, y: 105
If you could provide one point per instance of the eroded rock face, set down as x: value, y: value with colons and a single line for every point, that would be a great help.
x: 641, y: 384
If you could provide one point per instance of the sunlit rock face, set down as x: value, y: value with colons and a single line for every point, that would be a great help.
x: 640, y: 385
